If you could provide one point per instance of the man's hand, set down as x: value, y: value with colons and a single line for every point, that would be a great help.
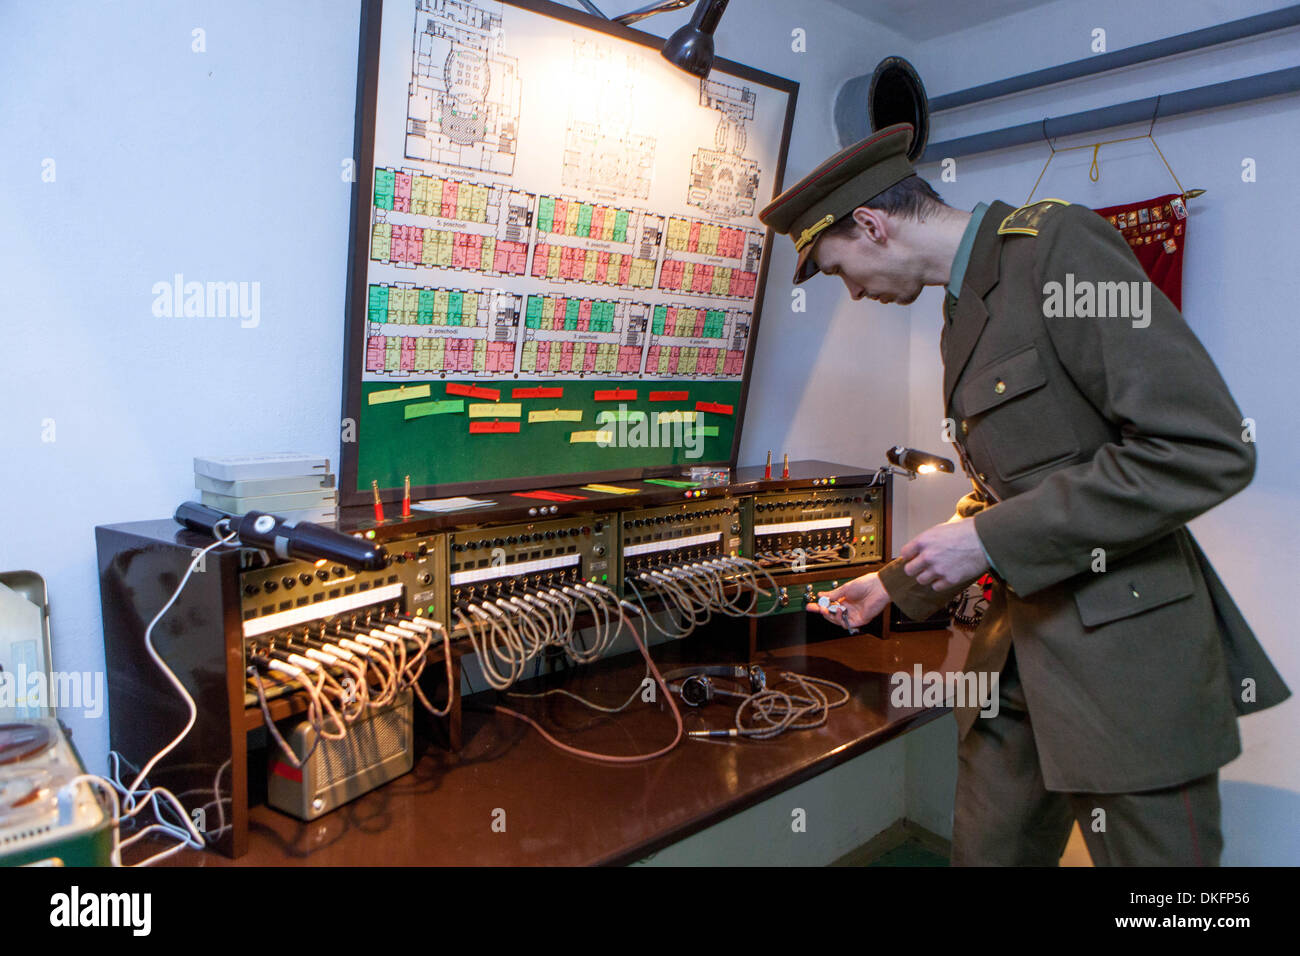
x: 865, y: 597
x: 946, y: 555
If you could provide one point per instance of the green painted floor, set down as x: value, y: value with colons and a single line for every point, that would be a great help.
x: 910, y: 854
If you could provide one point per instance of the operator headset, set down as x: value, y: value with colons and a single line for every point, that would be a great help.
x: 696, y: 688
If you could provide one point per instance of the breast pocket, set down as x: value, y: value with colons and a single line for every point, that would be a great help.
x: 1013, y: 420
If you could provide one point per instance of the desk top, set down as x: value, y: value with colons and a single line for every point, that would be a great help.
x: 565, y: 810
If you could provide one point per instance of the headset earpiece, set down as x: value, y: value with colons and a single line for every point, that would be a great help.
x: 697, y: 688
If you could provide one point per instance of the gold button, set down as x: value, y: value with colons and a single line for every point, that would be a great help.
x: 963, y: 426
x: 1000, y: 387
x: 983, y: 477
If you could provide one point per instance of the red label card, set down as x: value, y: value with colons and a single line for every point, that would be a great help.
x: 714, y: 407
x: 474, y: 391
x: 548, y: 496
x: 616, y: 395
x: 669, y: 396
x: 492, y: 428
x: 537, y: 393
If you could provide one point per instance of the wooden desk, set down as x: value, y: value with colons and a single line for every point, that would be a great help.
x: 563, y: 810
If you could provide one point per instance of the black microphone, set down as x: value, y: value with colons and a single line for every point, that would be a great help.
x: 312, y: 542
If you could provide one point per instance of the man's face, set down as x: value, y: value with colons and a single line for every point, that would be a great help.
x: 871, y: 259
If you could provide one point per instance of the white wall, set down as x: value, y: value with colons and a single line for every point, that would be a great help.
x: 814, y: 823
x: 222, y: 165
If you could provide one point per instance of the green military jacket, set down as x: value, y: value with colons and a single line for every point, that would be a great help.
x: 1096, y: 437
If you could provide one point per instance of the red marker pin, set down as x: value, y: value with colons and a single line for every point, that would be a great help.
x: 785, y: 468
x: 767, y: 469
x: 406, y: 498
x: 379, y: 505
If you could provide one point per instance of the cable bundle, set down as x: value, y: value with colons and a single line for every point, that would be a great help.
x: 651, y: 671
x: 800, y: 559
x: 695, y: 591
x: 510, y: 630
x: 772, y: 711
x: 379, y: 653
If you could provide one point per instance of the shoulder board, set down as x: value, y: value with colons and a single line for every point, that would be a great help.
x: 1026, y: 220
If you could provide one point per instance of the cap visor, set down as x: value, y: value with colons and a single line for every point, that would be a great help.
x: 806, y: 267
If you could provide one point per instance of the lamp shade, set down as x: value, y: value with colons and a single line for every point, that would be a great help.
x: 690, y: 48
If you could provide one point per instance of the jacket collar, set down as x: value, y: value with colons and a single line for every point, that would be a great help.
x: 969, y: 316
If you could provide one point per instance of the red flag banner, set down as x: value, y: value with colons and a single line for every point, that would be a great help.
x: 1156, y: 231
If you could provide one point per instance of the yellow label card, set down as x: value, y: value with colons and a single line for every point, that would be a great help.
x: 557, y: 415
x: 610, y: 489
x: 593, y: 436
x: 399, y: 394
x: 662, y: 418
x: 495, y: 409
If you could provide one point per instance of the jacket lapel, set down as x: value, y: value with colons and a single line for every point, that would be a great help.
x: 960, y: 335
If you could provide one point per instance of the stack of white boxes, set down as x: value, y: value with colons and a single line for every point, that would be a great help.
x: 293, y: 486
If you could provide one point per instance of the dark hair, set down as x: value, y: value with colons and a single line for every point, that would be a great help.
x: 909, y: 198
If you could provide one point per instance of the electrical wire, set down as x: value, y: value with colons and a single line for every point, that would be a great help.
x: 772, y: 711
x: 611, y: 758
x: 561, y: 692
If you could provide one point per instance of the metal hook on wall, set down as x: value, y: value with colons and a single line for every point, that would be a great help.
x: 1052, y: 155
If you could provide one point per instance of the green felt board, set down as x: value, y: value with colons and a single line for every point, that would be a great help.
x: 438, y: 449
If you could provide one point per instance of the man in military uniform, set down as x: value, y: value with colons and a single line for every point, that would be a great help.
x: 1091, y: 439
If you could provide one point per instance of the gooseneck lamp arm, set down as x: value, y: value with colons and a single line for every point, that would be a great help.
x: 651, y: 9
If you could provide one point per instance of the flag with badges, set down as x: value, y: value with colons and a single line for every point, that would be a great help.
x: 1156, y: 231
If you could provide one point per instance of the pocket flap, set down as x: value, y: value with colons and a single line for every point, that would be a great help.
x: 1003, y: 380
x: 1158, y: 574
